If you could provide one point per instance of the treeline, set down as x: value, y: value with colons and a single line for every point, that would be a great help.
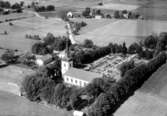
x: 107, y: 103
x: 40, y: 87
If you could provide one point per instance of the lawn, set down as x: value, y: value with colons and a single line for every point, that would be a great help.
x: 150, y: 99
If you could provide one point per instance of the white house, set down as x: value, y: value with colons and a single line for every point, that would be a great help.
x: 43, y: 60
x: 69, y: 14
x: 78, y: 113
x: 98, y: 17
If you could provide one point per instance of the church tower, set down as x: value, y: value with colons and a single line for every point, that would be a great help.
x: 66, y: 62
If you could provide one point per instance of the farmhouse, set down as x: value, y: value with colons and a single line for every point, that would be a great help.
x: 74, y: 76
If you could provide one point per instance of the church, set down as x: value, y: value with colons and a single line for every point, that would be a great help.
x: 74, y: 76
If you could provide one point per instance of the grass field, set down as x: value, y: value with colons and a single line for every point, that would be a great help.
x: 15, y: 39
x: 11, y: 78
x: 12, y: 105
x: 150, y: 99
x: 14, y: 74
x: 117, y: 6
x: 120, y: 31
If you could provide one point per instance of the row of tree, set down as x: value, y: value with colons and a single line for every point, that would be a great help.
x: 44, y: 8
x: 108, y: 102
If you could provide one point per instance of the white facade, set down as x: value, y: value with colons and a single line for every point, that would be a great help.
x: 65, y: 66
x: 78, y: 113
x: 69, y: 14
x: 74, y: 81
x: 98, y: 17
x: 39, y: 62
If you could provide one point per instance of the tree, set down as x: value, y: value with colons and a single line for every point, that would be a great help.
x: 50, y: 8
x: 49, y: 39
x: 116, y: 14
x: 134, y: 48
x: 161, y: 44
x: 88, y: 43
x: 40, y: 49
x: 151, y: 42
x: 86, y: 12
x: 124, y: 49
x: 5, y: 4
x: 16, y: 6
x: 126, y: 66
x: 33, y: 85
x: 9, y: 56
x: 27, y: 59
x: 102, y: 106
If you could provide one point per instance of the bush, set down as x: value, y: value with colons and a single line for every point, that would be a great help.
x: 9, y: 56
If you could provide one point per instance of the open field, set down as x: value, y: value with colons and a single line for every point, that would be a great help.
x: 120, y: 31
x: 150, y: 99
x: 157, y: 83
x: 12, y: 105
x: 15, y: 39
x: 11, y: 78
x: 117, y: 6
x: 14, y: 74
x: 143, y: 105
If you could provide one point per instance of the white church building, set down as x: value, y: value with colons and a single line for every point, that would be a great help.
x: 74, y: 76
